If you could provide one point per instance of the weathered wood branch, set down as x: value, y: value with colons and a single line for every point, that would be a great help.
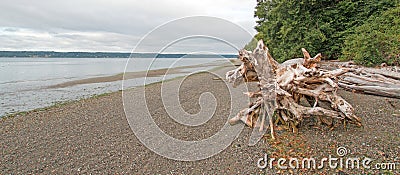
x: 282, y: 86
x: 375, y: 81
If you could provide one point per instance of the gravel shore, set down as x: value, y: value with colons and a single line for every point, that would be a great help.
x: 93, y: 136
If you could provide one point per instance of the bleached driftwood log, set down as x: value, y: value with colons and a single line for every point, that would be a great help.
x: 383, y: 81
x: 282, y: 86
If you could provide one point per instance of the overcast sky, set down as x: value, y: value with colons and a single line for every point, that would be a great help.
x: 104, y: 25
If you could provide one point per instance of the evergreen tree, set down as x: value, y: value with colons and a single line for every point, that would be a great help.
x: 317, y: 25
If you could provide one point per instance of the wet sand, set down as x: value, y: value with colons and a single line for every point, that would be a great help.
x: 131, y: 75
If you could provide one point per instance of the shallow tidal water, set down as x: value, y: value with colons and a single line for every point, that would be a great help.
x: 28, y: 83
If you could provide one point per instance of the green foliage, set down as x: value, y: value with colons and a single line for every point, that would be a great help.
x: 317, y: 25
x: 251, y: 45
x: 376, y: 41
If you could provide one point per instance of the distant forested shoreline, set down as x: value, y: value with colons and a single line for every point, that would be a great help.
x: 52, y: 54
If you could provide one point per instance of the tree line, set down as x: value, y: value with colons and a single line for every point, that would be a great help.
x: 366, y: 31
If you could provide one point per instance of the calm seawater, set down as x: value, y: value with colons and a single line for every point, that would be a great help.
x: 24, y: 82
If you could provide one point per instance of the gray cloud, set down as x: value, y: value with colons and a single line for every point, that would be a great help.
x: 102, y: 25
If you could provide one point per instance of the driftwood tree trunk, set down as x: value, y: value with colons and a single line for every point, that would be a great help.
x: 383, y: 82
x: 282, y: 86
